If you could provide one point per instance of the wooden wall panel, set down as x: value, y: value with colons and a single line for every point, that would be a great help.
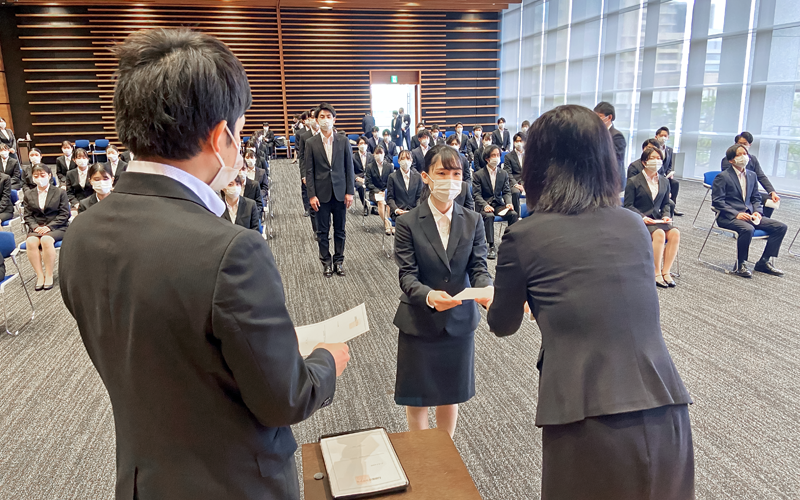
x: 294, y: 59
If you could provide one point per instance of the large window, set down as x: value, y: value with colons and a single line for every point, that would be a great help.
x: 707, y: 69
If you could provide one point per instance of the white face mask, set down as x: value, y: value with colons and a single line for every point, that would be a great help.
x: 424, y: 143
x: 662, y: 140
x: 266, y: 129
x: 233, y: 191
x: 459, y: 130
x: 362, y: 148
x: 35, y: 159
x: 421, y: 129
x: 386, y: 139
x: 379, y: 159
x: 486, y: 144
x: 741, y: 161
x: 494, y: 162
x: 653, y: 165
x: 477, y: 133
x: 67, y: 152
x: 454, y: 146
x: 226, y: 174
x: 251, y: 162
x: 2, y: 125
x: 82, y: 162
x: 524, y: 129
x: 445, y: 190
x: 518, y: 146
x: 501, y: 126
x: 113, y: 158
x: 405, y: 165
x: 4, y: 155
x: 42, y: 181
x: 325, y: 124
x: 102, y: 187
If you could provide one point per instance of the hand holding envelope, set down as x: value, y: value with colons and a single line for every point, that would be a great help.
x: 338, y: 329
x: 482, y: 296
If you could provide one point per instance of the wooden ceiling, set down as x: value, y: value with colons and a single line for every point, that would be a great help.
x: 372, y: 6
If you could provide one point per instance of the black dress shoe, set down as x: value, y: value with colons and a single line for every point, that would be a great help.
x: 492, y: 254
x: 306, y: 214
x: 742, y: 271
x: 327, y: 271
x: 677, y: 213
x: 767, y: 268
x: 366, y: 211
x: 661, y: 283
x: 668, y: 280
x: 374, y: 210
x: 39, y: 288
x: 338, y: 269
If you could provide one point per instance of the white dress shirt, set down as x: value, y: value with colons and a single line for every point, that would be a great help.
x: 443, y: 221
x: 82, y: 173
x: 363, y: 160
x: 42, y: 196
x: 114, y: 165
x: 406, y: 177
x: 327, y: 143
x: 743, y: 182
x: 4, y: 162
x: 652, y: 182
x: 250, y: 173
x: 492, y: 175
x: 232, y: 209
x: 208, y: 196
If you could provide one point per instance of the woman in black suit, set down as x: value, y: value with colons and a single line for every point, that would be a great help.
x: 238, y: 209
x: 612, y: 407
x: 377, y: 179
x: 440, y: 248
x: 6, y: 206
x: 78, y: 184
x: 65, y: 162
x: 648, y: 194
x: 361, y: 159
x: 102, y: 183
x: 400, y: 198
x: 47, y: 217
x: 7, y: 138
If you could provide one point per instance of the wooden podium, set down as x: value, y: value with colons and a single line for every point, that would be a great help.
x: 431, y: 461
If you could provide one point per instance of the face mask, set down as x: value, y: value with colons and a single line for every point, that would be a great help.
x: 2, y: 125
x: 459, y: 130
x: 662, y: 140
x: 42, y: 181
x: 375, y: 136
x: 494, y: 162
x: 251, y: 162
x: 653, y: 165
x: 741, y: 161
x: 326, y: 124
x: 226, y: 174
x: 67, y: 152
x: 243, y: 175
x: 421, y: 129
x: 362, y: 148
x: 446, y: 190
x: 501, y: 126
x: 35, y: 159
x: 436, y: 134
x: 233, y: 191
x: 82, y: 162
x: 379, y: 159
x: 405, y: 165
x: 424, y: 143
x: 486, y: 144
x: 524, y: 129
x: 113, y: 158
x: 454, y: 146
x: 4, y: 155
x: 386, y: 138
x: 266, y: 129
x: 102, y: 187
x: 518, y: 146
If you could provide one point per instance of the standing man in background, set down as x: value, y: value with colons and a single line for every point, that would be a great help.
x: 500, y: 136
x: 328, y: 161
x: 607, y: 113
x: 195, y: 346
x: 367, y: 123
x: 406, y: 142
x: 668, y: 167
x: 397, y: 130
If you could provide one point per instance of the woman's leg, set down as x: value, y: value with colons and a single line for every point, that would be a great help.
x: 417, y: 417
x: 658, y: 250
x: 35, y: 258
x: 446, y: 418
x: 49, y: 257
x: 673, y: 241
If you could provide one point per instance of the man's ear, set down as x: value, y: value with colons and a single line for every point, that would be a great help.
x: 217, y: 137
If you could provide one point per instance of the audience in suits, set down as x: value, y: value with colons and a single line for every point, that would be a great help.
x: 404, y: 188
x: 746, y: 140
x: 647, y: 194
x: 266, y: 147
x: 437, y: 137
x: 463, y: 140
x: 378, y: 172
x: 251, y: 189
x: 607, y: 113
x: 486, y: 141
x: 500, y: 136
x: 474, y: 143
x: 7, y: 138
x: 415, y: 137
x: 114, y: 164
x: 452, y: 141
x: 636, y: 166
x: 257, y: 175
x: 735, y: 198
x: 78, y: 184
x: 102, y: 184
x: 492, y: 193
x: 238, y: 209
x: 10, y: 166
x: 668, y: 169
x: 361, y: 160
x: 65, y: 162
x: 512, y: 164
x: 388, y: 145
x: 418, y: 153
x: 374, y: 139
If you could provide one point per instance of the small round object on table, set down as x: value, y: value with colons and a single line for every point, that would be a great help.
x: 319, y: 475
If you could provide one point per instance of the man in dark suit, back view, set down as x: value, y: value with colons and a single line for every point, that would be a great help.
x: 367, y: 123
x: 186, y: 321
x: 607, y: 113
x: 329, y: 177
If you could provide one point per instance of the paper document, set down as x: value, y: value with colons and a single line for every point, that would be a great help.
x: 379, y: 197
x: 502, y: 212
x: 773, y: 204
x: 341, y: 328
x: 486, y: 292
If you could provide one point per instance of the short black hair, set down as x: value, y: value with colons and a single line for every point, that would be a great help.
x: 435, y: 127
x: 386, y: 131
x: 376, y: 129
x: 650, y: 142
x: 518, y: 135
x: 487, y: 152
x: 173, y: 86
x: 96, y: 168
x: 662, y: 129
x: 477, y: 127
x: 526, y: 123
x: 249, y: 153
x: 304, y: 116
x: 648, y: 151
x: 446, y: 155
x: 607, y: 109
x: 360, y: 140
x: 265, y: 124
x: 111, y: 147
x: 420, y: 124
x: 570, y: 165
x: 35, y: 150
x: 459, y: 123
x: 325, y: 106
x: 80, y: 152
x: 451, y: 139
x: 66, y: 143
x: 395, y: 113
x: 421, y: 134
x: 378, y: 148
x: 747, y: 136
x: 41, y: 167
x: 501, y: 119
x: 731, y: 152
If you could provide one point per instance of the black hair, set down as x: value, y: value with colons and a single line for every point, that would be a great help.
x: 648, y: 151
x: 420, y: 124
x: 402, y: 109
x: 501, y: 119
x: 421, y: 134
x: 526, y: 123
x: 518, y: 135
x: 66, y: 143
x: 174, y: 86
x: 376, y: 129
x: 41, y: 167
x: 434, y: 127
x: 487, y: 152
x: 378, y: 148
x: 304, y: 116
x: 570, y: 166
x: 360, y: 140
x: 607, y: 109
x: 747, y: 136
x: 98, y: 168
x: 386, y: 131
x: 731, y: 152
x: 662, y: 129
x: 250, y: 153
x: 459, y: 123
x: 238, y: 180
x: 451, y: 139
x: 35, y: 150
x: 326, y: 107
x: 477, y: 127
x: 265, y: 124
x: 407, y: 153
x: 447, y: 156
x: 650, y: 142
x: 80, y: 152
x: 112, y: 147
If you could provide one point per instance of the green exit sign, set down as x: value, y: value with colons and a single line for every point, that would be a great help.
x: 394, y: 78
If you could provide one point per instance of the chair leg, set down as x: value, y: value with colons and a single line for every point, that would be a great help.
x: 700, y: 207
x: 704, y: 246
x: 792, y: 244
x: 19, y: 272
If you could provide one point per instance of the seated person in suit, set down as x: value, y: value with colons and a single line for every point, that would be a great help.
x: 513, y: 167
x: 114, y: 164
x: 34, y: 158
x: 415, y: 138
x: 78, y: 184
x: 404, y: 188
x: 647, y: 194
x: 251, y: 189
x: 746, y: 140
x: 636, y: 166
x: 440, y: 250
x: 462, y: 138
x: 10, y: 166
x: 492, y: 193
x: 486, y: 141
x: 464, y: 198
x: 500, y: 136
x: 46, y: 213
x: 389, y: 146
x: 268, y: 141
x: 378, y: 172
x: 452, y: 141
x: 735, y: 197
x: 437, y: 137
x: 523, y: 129
x: 374, y: 140
x: 474, y: 143
x: 361, y: 159
x: 418, y: 153
x: 257, y: 175
x: 65, y: 162
x: 238, y: 209
x: 6, y: 206
x: 668, y: 169
x: 102, y: 183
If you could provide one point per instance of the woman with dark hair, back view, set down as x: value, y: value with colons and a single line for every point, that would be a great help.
x: 612, y: 407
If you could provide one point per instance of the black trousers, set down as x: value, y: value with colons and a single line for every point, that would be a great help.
x: 776, y: 231
x: 488, y: 221
x: 515, y: 196
x: 4, y: 216
x: 407, y: 139
x: 336, y: 209
x: 307, y: 206
x: 361, y: 192
x: 674, y: 187
x: 767, y: 210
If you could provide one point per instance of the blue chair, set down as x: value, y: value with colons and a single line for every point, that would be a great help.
x: 100, y: 146
x: 245, y: 140
x: 8, y: 249
x: 524, y: 212
x: 757, y: 235
x: 83, y: 144
x: 503, y: 156
x: 449, y: 133
x: 353, y: 137
x: 288, y: 148
x: 708, y: 180
x: 396, y: 161
x: 17, y: 205
x: 24, y: 246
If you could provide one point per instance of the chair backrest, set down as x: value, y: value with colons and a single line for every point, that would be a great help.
x: 291, y: 139
x: 396, y: 162
x: 7, y: 244
x: 353, y: 137
x: 101, y: 144
x: 708, y: 177
x: 449, y: 133
x: 14, y: 196
x: 82, y: 143
x: 245, y: 140
x: 503, y: 156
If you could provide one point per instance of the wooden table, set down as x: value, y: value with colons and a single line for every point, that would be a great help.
x: 431, y: 461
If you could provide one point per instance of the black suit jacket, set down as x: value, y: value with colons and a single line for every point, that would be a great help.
x: 262, y: 179
x: 75, y: 191
x: 6, y: 206
x: 196, y: 348
x: 329, y: 180
x: 124, y: 156
x: 372, y: 143
x: 503, y: 140
x: 619, y: 146
x: 466, y: 170
x: 390, y: 149
x: 754, y: 166
x: 300, y: 144
x: 359, y: 168
x: 483, y: 193
x: 13, y: 171
x: 597, y: 308
x: 479, y: 161
x: 252, y: 190
x: 55, y: 213
x: 397, y: 129
x: 247, y: 214
x: 367, y: 123
x: 121, y: 167
x: 418, y: 159
x: 62, y: 168
x: 667, y: 166
x: 463, y: 142
x: 87, y: 203
x: 425, y: 266
x: 639, y: 199
x: 11, y: 141
x: 414, y: 142
x: 472, y: 147
x: 513, y: 167
x: 397, y: 196
x: 726, y: 194
x: 635, y: 168
x: 377, y: 179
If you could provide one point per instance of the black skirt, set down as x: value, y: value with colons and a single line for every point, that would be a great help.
x: 435, y: 371
x: 664, y: 227
x: 640, y: 455
x: 56, y: 234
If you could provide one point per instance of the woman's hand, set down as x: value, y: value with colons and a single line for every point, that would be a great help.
x: 667, y: 219
x: 45, y: 229
x: 442, y: 301
x: 648, y: 221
